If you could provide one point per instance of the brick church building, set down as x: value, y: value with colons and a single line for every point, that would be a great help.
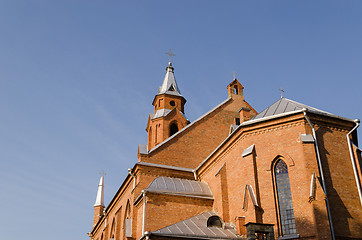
x: 289, y: 172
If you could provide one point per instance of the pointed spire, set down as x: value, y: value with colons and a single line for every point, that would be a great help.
x: 169, y: 84
x: 100, y: 193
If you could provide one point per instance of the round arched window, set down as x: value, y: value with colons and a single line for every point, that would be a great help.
x: 173, y: 129
x: 214, y: 221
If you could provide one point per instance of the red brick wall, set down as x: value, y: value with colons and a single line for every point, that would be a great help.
x: 190, y: 147
x: 280, y: 139
x: 163, y: 210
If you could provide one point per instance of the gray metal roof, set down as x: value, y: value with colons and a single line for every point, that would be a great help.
x: 285, y: 105
x: 142, y: 149
x: 180, y: 186
x: 169, y: 84
x: 232, y: 128
x: 196, y: 227
x: 160, y: 113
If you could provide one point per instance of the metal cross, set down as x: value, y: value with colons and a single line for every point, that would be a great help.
x: 234, y: 75
x: 102, y: 173
x: 281, y: 92
x: 170, y: 54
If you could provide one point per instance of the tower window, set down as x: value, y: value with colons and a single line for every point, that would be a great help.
x: 172, y: 103
x: 237, y: 121
x: 236, y: 91
x: 214, y: 221
x: 284, y: 197
x: 173, y: 129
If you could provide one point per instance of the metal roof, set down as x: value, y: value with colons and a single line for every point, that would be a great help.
x: 196, y: 227
x: 180, y: 186
x: 160, y: 113
x: 285, y: 105
x: 169, y: 84
x: 142, y: 149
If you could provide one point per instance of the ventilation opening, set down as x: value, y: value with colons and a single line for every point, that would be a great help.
x: 173, y: 129
x: 214, y: 221
x: 172, y: 89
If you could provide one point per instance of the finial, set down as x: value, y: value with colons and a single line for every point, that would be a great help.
x: 281, y: 92
x: 234, y: 75
x: 102, y: 173
x: 170, y: 54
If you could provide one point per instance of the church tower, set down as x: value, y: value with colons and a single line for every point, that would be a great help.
x: 168, y: 117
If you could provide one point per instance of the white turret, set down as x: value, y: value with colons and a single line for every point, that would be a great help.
x: 99, y: 204
x: 100, y: 194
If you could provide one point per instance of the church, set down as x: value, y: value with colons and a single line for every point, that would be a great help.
x: 291, y: 171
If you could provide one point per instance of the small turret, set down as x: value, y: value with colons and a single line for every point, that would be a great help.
x: 99, y: 204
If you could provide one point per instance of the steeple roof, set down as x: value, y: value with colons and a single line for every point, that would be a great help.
x: 100, y: 193
x: 169, y: 85
x: 284, y: 105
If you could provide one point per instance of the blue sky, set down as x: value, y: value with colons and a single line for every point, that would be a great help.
x: 77, y: 79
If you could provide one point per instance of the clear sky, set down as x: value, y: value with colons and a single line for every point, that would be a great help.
x: 77, y: 79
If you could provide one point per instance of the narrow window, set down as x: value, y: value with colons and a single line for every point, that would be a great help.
x: 236, y: 90
x: 284, y: 197
x: 156, y: 131
x: 237, y: 121
x: 173, y: 129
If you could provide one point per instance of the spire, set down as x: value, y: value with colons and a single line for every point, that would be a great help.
x: 100, y: 194
x: 169, y: 84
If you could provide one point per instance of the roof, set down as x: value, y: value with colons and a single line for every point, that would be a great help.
x: 164, y: 112
x: 180, y: 186
x: 160, y: 113
x: 100, y: 194
x: 282, y: 107
x: 169, y: 84
x: 285, y: 105
x: 196, y: 227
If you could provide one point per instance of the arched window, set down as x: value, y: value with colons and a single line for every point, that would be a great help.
x: 214, y: 221
x: 111, y: 236
x: 284, y: 197
x: 127, y: 227
x: 236, y: 90
x: 173, y: 129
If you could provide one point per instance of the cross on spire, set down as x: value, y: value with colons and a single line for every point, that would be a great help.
x: 234, y: 75
x: 170, y: 54
x: 102, y: 173
x: 281, y: 92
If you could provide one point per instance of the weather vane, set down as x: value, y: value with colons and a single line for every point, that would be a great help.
x: 234, y: 75
x: 170, y: 54
x: 281, y: 92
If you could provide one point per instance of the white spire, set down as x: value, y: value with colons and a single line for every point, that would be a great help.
x: 169, y: 83
x: 100, y: 194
